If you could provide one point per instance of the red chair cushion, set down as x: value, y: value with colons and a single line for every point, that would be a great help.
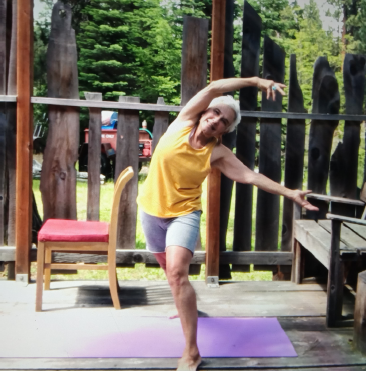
x: 73, y: 231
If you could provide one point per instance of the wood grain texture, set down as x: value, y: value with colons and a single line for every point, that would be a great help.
x: 4, y: 65
x: 58, y: 178
x: 24, y: 136
x: 294, y: 155
x: 335, y: 278
x: 95, y: 131
x: 171, y: 108
x: 344, y: 161
x: 127, y: 154
x: 335, y: 199
x: 228, y: 140
x: 194, y: 57
x: 359, y: 330
x: 12, y: 122
x: 314, y: 238
x: 214, y: 178
x: 161, y: 124
x: 325, y: 100
x: 246, y: 132
x: 267, y: 221
x: 351, y: 239
x: 3, y: 47
x: 3, y: 180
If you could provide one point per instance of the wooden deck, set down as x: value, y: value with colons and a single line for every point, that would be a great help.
x: 299, y: 308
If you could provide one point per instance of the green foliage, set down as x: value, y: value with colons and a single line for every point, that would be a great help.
x: 128, y: 48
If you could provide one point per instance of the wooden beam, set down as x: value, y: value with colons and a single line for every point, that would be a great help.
x: 95, y: 131
x: 170, y: 108
x: 346, y: 219
x: 24, y: 139
x: 146, y: 257
x: 214, y: 178
x: 8, y: 98
x: 127, y: 154
x: 335, y: 278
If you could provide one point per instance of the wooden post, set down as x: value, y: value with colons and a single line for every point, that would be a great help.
x: 294, y: 161
x: 12, y: 122
x: 268, y: 205
x: 94, y: 148
x: 194, y: 57
x: 213, y: 184
x: 194, y: 70
x: 58, y: 178
x: 228, y: 140
x: 359, y: 329
x: 127, y: 154
x: 245, y: 141
x: 335, y: 278
x: 160, y: 125
x: 344, y: 161
x: 24, y: 139
x: 325, y: 100
x: 296, y: 271
x: 3, y: 119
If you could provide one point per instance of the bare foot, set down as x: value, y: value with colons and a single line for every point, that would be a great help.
x: 189, y: 363
x: 172, y: 316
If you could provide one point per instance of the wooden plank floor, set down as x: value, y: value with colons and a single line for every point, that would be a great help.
x: 299, y: 308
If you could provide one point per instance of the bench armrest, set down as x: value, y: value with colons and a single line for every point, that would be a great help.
x: 346, y: 219
x: 335, y: 199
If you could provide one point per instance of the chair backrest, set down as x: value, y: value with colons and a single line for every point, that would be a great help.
x: 122, y: 180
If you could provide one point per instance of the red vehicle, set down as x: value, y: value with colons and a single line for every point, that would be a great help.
x: 109, y: 144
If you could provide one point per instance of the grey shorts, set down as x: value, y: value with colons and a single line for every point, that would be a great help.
x: 163, y: 232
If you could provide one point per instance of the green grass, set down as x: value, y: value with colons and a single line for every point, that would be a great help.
x: 140, y: 272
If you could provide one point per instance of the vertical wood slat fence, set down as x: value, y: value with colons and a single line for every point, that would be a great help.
x: 58, y: 179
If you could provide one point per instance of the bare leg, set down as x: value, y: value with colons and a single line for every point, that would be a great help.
x: 161, y: 259
x: 177, y: 265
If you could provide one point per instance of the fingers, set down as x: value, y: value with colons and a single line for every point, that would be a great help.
x: 273, y: 87
x: 309, y: 206
x: 279, y: 88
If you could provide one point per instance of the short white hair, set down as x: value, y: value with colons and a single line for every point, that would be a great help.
x: 228, y: 100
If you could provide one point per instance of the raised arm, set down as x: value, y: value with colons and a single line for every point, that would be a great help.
x: 223, y: 159
x: 202, y: 99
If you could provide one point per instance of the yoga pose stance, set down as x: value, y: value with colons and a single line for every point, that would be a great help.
x: 170, y: 200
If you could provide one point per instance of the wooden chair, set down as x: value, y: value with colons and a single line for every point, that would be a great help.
x: 331, y: 246
x: 88, y: 237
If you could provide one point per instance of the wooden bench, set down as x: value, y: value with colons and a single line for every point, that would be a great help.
x: 332, y: 242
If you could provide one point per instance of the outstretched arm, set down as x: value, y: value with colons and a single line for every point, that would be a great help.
x: 223, y: 159
x: 202, y: 99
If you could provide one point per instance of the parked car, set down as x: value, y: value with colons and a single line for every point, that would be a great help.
x: 109, y: 145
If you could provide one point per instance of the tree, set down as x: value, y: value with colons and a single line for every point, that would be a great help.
x: 352, y: 15
x: 128, y: 48
x: 310, y: 42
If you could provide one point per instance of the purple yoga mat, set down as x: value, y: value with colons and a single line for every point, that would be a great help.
x: 156, y: 337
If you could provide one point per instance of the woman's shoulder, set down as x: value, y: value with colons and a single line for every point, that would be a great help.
x: 178, y: 125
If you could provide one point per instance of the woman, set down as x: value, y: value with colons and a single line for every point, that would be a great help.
x: 171, y: 197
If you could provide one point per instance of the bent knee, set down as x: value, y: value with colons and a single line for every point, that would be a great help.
x: 176, y: 276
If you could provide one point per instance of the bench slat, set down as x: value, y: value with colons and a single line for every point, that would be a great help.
x: 315, y: 239
x: 348, y: 236
x: 359, y: 229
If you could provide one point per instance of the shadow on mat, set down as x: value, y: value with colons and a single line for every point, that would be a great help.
x: 128, y: 296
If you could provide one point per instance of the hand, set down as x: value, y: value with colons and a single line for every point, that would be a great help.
x: 267, y: 86
x: 299, y: 197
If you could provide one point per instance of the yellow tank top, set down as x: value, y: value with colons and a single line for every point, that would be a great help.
x: 173, y: 186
